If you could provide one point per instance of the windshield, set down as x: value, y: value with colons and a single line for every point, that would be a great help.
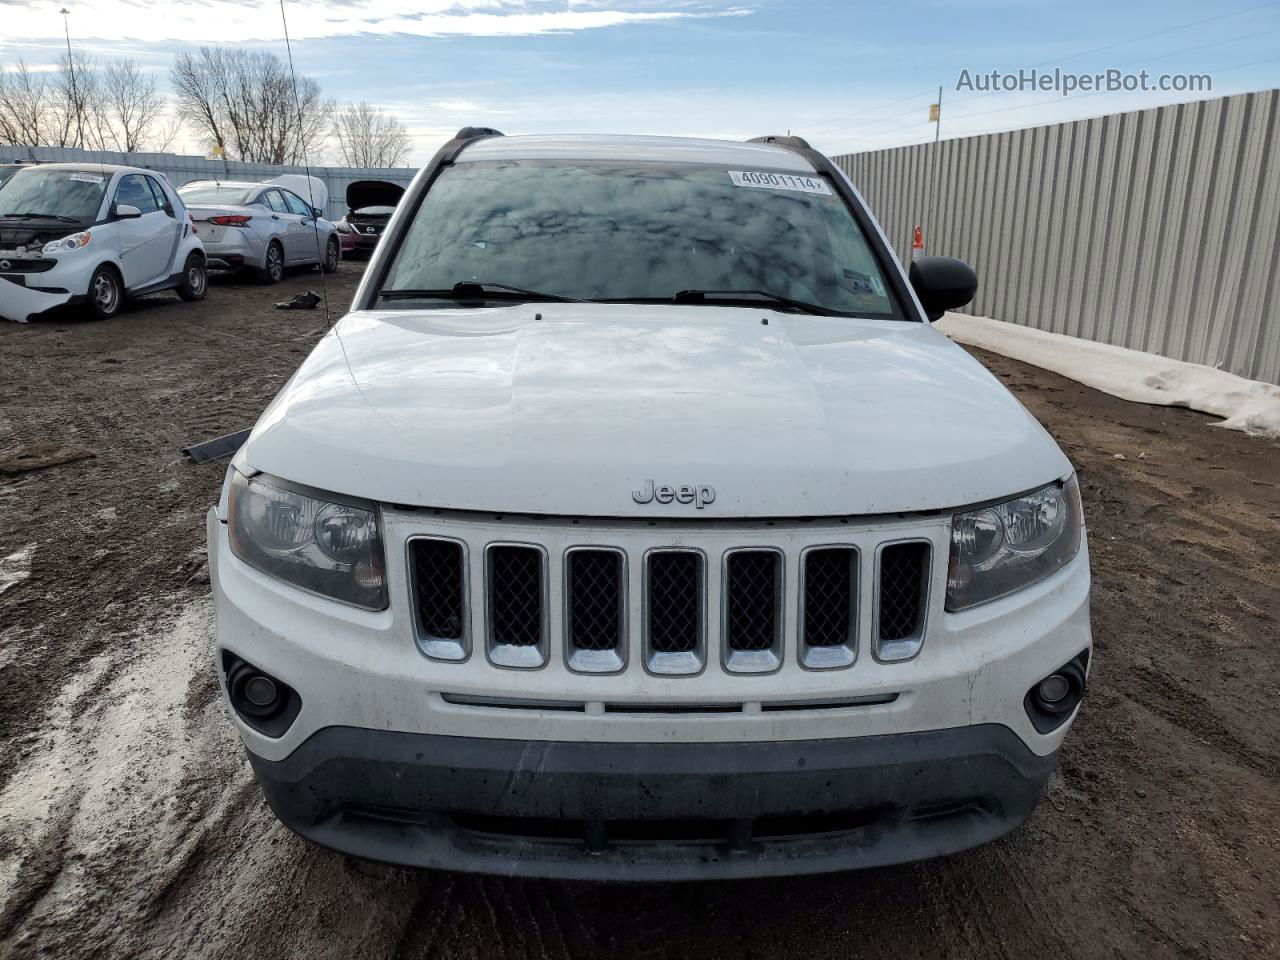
x: 6, y: 173
x: 68, y: 194
x: 603, y: 230
x: 223, y: 194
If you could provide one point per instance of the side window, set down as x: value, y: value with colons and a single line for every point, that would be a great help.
x: 133, y: 190
x: 162, y: 201
x: 275, y: 201
x: 295, y: 204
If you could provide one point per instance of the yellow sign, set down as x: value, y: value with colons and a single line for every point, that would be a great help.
x: 933, y: 112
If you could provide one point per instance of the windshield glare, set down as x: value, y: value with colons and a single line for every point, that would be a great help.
x: 602, y: 230
x: 215, y: 194
x: 76, y: 194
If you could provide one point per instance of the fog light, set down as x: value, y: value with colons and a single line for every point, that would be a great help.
x: 260, y: 700
x: 1054, y: 689
x: 1050, y: 702
x: 261, y: 691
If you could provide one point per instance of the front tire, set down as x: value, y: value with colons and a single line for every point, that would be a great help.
x: 332, y: 254
x: 106, y: 293
x: 273, y: 269
x: 195, y: 280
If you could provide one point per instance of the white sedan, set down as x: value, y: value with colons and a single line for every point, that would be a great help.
x: 93, y: 234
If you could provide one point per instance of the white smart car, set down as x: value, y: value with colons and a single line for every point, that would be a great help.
x: 95, y: 234
x: 636, y: 524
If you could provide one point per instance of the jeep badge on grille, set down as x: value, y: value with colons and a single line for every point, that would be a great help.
x: 700, y: 494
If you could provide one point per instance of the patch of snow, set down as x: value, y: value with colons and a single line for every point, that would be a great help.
x: 1251, y: 406
x: 15, y: 568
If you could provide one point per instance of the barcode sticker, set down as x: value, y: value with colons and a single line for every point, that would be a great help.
x: 780, y: 181
x: 86, y: 178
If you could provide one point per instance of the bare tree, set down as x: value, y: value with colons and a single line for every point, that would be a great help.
x: 78, y: 83
x: 131, y: 109
x: 29, y: 112
x: 370, y: 137
x: 245, y: 102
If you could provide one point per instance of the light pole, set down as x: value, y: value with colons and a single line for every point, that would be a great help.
x: 71, y: 66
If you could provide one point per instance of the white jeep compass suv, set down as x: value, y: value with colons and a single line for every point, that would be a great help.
x: 636, y: 524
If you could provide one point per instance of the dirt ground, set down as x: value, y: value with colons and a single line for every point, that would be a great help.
x: 130, y: 825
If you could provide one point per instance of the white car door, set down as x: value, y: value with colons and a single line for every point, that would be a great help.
x: 145, y: 242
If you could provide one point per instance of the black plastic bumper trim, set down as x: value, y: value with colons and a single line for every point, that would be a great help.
x: 413, y: 799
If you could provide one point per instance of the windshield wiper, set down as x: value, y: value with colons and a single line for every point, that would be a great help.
x: 40, y: 216
x: 700, y: 296
x: 476, y: 290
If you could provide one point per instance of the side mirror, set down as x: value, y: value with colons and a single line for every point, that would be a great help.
x: 125, y: 211
x: 317, y: 213
x: 942, y: 284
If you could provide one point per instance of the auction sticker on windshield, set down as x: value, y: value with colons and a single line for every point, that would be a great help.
x: 779, y: 181
x: 86, y: 178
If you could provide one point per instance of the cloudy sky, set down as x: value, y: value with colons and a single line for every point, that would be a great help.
x: 849, y: 74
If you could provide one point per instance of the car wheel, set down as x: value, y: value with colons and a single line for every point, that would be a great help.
x: 331, y: 256
x: 106, y: 293
x: 273, y: 270
x: 194, y: 279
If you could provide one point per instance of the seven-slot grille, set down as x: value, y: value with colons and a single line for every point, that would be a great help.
x: 752, y: 615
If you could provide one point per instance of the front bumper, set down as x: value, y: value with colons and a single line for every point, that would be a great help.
x: 654, y: 811
x: 395, y: 756
x: 23, y: 302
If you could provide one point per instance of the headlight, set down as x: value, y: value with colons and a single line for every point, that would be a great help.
x: 1003, y: 548
x: 343, y: 227
x: 73, y: 242
x: 330, y: 547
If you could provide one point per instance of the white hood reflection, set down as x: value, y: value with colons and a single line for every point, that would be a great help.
x: 566, y: 408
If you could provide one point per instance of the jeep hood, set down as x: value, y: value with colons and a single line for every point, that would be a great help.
x: 566, y: 409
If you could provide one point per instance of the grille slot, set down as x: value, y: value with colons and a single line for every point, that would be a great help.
x: 674, y: 611
x: 595, y: 609
x: 752, y: 614
x: 517, y: 628
x: 440, y: 601
x: 901, y: 599
x: 829, y: 599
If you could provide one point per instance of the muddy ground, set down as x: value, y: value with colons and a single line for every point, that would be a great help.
x: 130, y: 826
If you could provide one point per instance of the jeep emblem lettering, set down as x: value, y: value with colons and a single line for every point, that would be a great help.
x: 698, y: 494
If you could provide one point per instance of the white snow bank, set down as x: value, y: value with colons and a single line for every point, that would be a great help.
x: 1247, y: 405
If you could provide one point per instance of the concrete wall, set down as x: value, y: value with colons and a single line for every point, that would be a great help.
x: 1157, y: 230
x: 180, y: 169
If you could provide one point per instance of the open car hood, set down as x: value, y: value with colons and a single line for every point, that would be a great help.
x: 373, y: 193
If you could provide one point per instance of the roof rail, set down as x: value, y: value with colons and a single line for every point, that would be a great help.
x: 474, y: 133
x: 795, y: 143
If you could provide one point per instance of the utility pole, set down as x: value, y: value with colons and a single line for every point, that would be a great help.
x: 71, y: 66
x: 936, y: 116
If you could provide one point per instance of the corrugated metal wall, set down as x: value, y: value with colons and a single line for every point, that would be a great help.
x: 180, y: 169
x: 1157, y: 230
